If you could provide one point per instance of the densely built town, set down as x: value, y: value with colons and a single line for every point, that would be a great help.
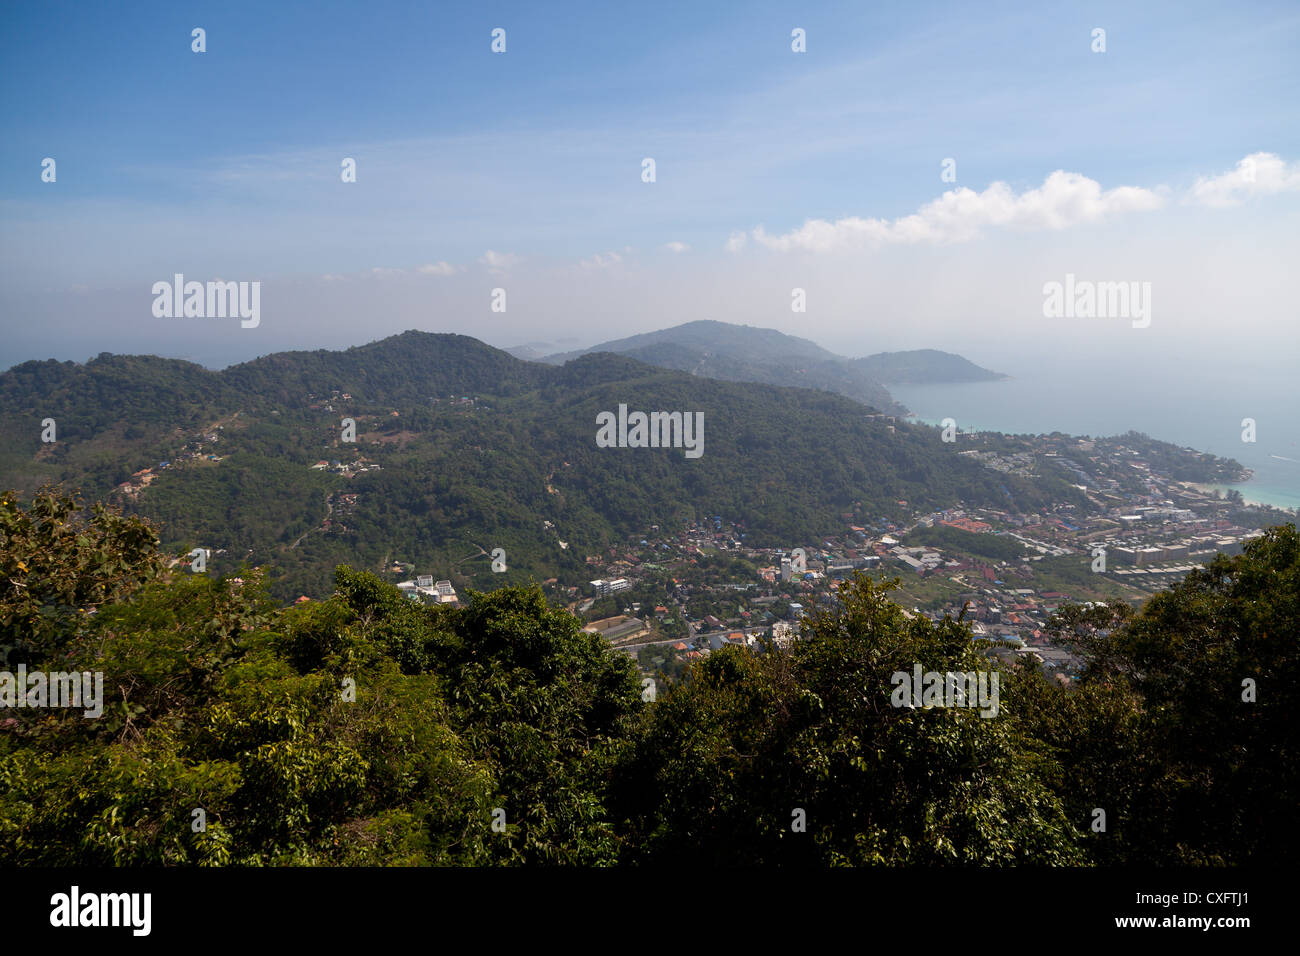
x: 672, y: 597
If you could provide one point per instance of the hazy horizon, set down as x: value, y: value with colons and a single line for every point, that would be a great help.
x: 920, y: 174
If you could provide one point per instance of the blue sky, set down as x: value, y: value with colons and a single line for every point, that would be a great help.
x: 226, y: 163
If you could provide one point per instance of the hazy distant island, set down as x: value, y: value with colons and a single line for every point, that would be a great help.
x: 924, y: 367
x: 743, y: 353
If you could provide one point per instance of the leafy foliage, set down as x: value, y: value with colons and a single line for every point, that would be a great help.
x: 729, y: 758
x: 1205, y: 764
x: 367, y: 729
x: 56, y: 566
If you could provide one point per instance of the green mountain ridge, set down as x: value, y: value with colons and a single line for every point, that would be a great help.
x: 459, y: 477
x: 923, y: 367
x: 742, y: 353
x: 744, y: 342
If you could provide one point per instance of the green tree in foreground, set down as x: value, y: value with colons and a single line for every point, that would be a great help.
x: 56, y: 565
x: 727, y: 759
x: 365, y: 729
x: 1185, y: 727
x: 370, y: 730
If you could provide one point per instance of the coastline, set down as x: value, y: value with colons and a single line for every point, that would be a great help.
x: 1260, y: 497
x: 1267, y: 480
x: 1250, y: 496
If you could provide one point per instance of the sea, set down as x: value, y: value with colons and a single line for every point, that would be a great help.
x: 1201, y: 406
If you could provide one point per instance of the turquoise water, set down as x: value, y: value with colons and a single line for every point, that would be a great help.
x: 1201, y: 410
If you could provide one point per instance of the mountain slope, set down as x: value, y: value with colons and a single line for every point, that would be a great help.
x: 742, y: 353
x: 410, y: 367
x: 923, y: 367
x: 476, y: 450
x: 743, y: 342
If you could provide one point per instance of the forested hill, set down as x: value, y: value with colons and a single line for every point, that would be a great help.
x: 411, y: 367
x: 742, y: 353
x: 460, y: 447
x: 741, y: 342
x: 923, y: 367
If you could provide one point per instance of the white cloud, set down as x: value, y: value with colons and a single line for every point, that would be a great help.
x: 599, y: 261
x: 676, y: 246
x: 438, y: 269
x: 1064, y: 200
x: 1258, y: 174
x: 498, y: 261
x: 383, y: 272
x: 736, y: 241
